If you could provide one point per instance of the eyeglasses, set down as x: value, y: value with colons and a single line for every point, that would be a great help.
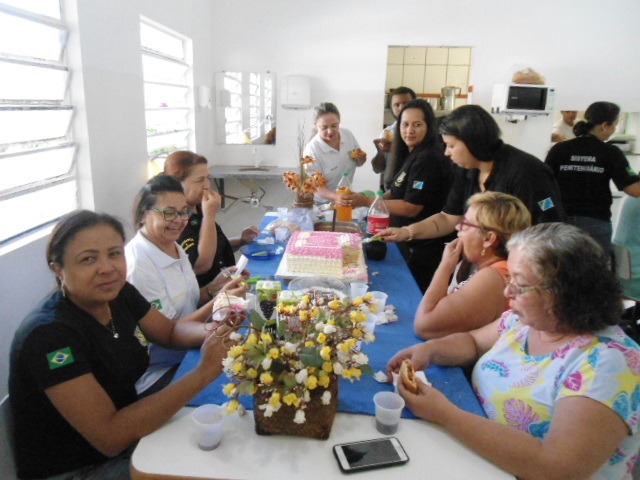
x: 464, y: 224
x: 515, y: 290
x: 171, y: 214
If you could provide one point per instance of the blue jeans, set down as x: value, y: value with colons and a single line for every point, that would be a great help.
x: 600, y: 230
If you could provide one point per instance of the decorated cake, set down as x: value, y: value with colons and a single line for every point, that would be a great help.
x: 324, y: 253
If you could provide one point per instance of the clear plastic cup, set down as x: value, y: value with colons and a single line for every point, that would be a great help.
x: 358, y: 289
x: 381, y: 300
x: 208, y: 421
x: 389, y: 407
x: 370, y: 324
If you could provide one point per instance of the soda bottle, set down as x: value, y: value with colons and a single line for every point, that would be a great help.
x: 378, y: 215
x: 343, y: 213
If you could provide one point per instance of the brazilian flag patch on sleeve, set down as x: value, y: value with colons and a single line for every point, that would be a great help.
x: 60, y: 358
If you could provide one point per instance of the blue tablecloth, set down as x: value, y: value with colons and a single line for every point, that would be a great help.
x: 392, y: 276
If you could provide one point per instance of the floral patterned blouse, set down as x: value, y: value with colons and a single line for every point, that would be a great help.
x: 521, y: 390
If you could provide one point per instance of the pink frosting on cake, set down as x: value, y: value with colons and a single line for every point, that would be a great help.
x: 320, y: 244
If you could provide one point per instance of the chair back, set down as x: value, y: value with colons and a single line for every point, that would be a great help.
x: 7, y: 458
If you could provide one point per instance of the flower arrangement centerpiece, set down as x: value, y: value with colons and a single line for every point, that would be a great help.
x: 292, y: 364
x: 303, y: 184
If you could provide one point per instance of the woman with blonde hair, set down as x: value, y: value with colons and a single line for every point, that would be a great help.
x: 490, y: 220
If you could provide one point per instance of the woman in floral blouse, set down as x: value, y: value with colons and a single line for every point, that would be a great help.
x: 559, y: 381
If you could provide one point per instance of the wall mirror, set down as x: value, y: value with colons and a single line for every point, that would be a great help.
x: 427, y: 70
x: 245, y: 108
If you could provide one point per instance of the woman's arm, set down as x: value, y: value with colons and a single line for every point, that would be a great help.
x: 477, y: 303
x: 208, y: 237
x: 583, y: 435
x: 435, y: 226
x: 90, y: 410
x: 245, y: 238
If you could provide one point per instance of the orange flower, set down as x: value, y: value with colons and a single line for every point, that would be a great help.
x: 307, y: 159
x: 302, y: 182
x: 319, y: 179
x: 291, y: 179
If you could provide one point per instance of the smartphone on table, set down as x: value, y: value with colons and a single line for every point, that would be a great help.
x: 368, y: 454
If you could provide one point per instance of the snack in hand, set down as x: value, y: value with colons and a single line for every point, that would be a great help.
x: 355, y: 153
x: 388, y: 135
x: 408, y: 377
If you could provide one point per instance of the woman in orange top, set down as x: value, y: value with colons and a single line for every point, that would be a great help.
x: 490, y: 220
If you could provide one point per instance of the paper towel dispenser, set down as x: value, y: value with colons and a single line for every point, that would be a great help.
x: 295, y: 92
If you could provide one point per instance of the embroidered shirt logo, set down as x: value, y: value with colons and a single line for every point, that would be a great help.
x: 631, y: 172
x: 188, y: 243
x: 60, y: 358
x: 157, y: 304
x: 546, y: 204
x: 142, y: 340
x: 399, y: 181
x: 418, y: 185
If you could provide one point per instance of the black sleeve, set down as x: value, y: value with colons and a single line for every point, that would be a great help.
x: 136, y: 304
x: 426, y: 179
x: 539, y: 191
x: 621, y: 172
x: 458, y: 193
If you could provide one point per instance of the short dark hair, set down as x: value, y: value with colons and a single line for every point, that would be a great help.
x: 476, y: 128
x: 147, y: 196
x: 596, y: 114
x: 323, y: 109
x: 587, y: 295
x: 401, y: 149
x: 401, y: 91
x: 70, y: 225
x: 180, y: 163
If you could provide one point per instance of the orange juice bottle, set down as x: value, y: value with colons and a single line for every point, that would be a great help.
x: 344, y: 214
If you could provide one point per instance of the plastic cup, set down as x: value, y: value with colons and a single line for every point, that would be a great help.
x: 358, y: 289
x: 370, y: 324
x: 389, y: 407
x: 381, y: 300
x: 208, y: 421
x: 282, y: 213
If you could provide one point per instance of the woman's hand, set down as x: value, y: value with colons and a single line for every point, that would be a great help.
x: 451, y: 255
x: 418, y: 354
x: 382, y: 145
x: 359, y: 156
x: 429, y: 403
x: 249, y: 234
x: 213, y: 351
x: 393, y: 234
x: 354, y: 200
x: 236, y: 286
x: 211, y: 202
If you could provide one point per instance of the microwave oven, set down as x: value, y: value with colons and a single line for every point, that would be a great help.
x: 522, y: 99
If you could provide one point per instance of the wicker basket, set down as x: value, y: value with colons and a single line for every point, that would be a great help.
x: 319, y: 417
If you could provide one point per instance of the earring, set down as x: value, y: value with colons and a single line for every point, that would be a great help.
x: 62, y: 290
x: 483, y: 252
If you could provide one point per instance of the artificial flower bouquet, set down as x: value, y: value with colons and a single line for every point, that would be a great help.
x: 292, y: 364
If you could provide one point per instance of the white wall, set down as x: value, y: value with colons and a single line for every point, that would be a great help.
x: 581, y: 46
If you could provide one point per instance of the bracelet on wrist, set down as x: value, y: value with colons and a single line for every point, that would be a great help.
x: 211, y: 293
x: 410, y: 231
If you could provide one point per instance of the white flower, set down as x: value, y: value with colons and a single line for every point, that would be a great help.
x: 300, y: 417
x: 266, y: 363
x: 235, y: 336
x: 326, y: 397
x: 360, y: 359
x: 227, y: 362
x: 319, y: 326
x: 241, y: 410
x: 306, y: 396
x: 337, y: 368
x: 302, y: 375
x: 290, y: 347
x: 369, y: 337
x: 343, y: 357
x: 329, y: 329
x: 268, y: 409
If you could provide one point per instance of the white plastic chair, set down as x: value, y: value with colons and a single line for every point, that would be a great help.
x: 7, y: 459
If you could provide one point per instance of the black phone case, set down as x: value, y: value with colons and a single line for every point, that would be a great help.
x: 369, y: 467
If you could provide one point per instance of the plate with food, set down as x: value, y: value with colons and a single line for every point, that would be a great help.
x: 256, y: 251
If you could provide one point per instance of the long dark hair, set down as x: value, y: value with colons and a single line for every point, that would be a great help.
x: 69, y: 226
x: 400, y: 149
x: 597, y: 113
x: 147, y: 196
x: 476, y: 128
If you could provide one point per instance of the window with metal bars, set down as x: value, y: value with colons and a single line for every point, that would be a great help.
x: 37, y: 151
x: 168, y: 89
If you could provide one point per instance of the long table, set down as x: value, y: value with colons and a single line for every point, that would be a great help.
x: 171, y: 451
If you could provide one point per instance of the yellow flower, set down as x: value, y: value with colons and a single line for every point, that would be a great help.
x: 237, y: 367
x: 266, y: 338
x: 321, y: 338
x: 315, y: 312
x: 357, y: 317
x: 335, y: 305
x: 325, y: 352
x: 304, y: 315
x: 351, y: 372
x: 274, y: 353
x: 306, y: 299
x: 232, y: 406
x: 229, y: 389
x: 291, y: 399
x: 266, y: 378
x: 324, y: 380
x: 350, y: 342
x: 312, y: 382
x: 357, y: 301
x: 373, y: 308
x: 236, y: 351
x: 309, y: 343
x: 327, y: 367
x: 252, y: 373
x: 275, y: 399
x: 252, y: 339
x: 357, y: 333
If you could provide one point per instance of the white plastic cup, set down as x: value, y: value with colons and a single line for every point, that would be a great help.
x: 370, y: 324
x: 381, y: 300
x: 389, y: 407
x: 208, y: 421
x: 358, y: 289
x: 282, y: 213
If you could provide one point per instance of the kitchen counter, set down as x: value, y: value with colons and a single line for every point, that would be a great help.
x: 218, y: 173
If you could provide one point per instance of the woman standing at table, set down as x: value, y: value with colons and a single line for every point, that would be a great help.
x: 584, y: 168
x: 334, y: 149
x: 159, y: 268
x: 472, y: 139
x: 490, y: 220
x: 420, y: 187
x: 557, y: 378
x: 76, y: 358
x: 203, y: 240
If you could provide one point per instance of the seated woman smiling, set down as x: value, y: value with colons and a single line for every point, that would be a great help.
x: 483, y: 232
x: 557, y: 378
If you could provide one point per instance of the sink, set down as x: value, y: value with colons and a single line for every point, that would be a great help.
x: 254, y: 169
x: 348, y: 227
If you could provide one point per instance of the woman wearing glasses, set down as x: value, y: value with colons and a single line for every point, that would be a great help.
x: 557, y: 378
x: 76, y: 358
x: 160, y: 269
x: 208, y: 248
x: 490, y: 220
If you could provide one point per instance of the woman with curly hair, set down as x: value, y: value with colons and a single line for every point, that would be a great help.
x: 558, y: 380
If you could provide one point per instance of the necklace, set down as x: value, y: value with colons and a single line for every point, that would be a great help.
x: 111, y: 324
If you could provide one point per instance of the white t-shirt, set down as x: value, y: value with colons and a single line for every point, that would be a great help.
x: 170, y: 285
x: 561, y: 128
x: 331, y: 162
